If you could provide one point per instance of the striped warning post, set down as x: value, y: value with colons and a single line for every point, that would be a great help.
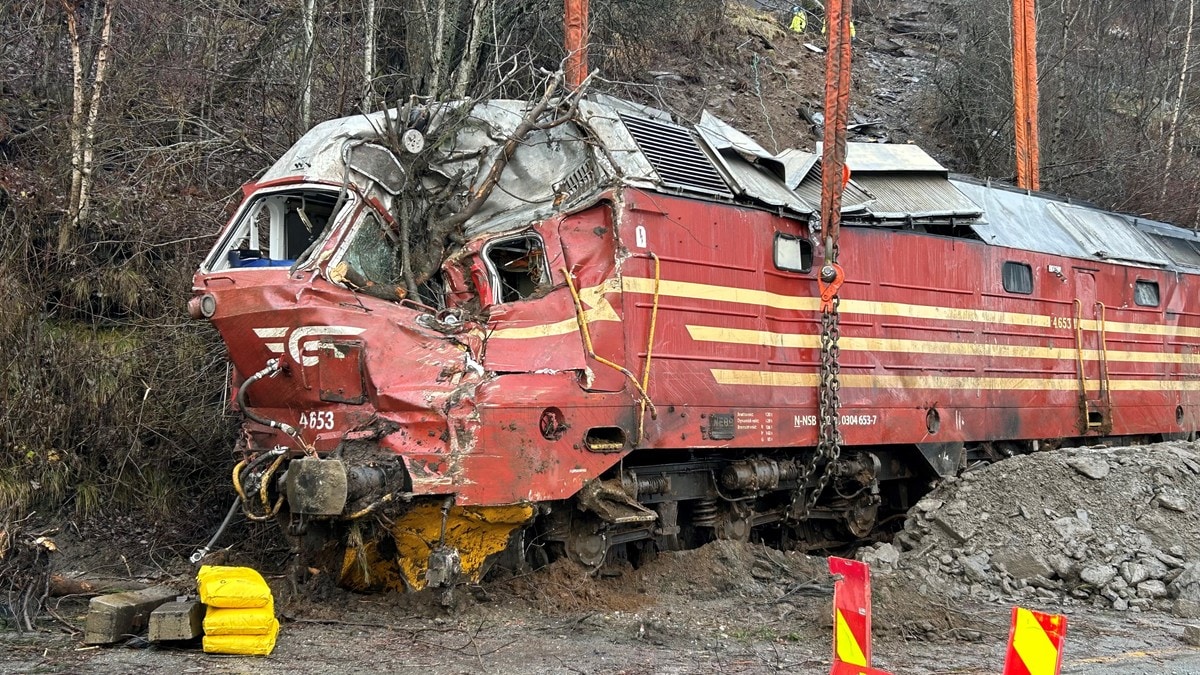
x: 1035, y: 643
x: 851, y: 618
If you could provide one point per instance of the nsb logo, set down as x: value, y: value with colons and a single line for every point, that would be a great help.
x: 302, y: 344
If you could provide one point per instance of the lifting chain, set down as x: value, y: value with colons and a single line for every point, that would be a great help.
x: 828, y: 387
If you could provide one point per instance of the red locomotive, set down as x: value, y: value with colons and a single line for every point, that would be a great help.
x: 613, y: 337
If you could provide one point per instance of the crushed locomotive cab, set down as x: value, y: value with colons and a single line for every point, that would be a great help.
x: 572, y: 326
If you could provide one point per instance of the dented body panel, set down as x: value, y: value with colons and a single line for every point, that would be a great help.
x: 619, y: 330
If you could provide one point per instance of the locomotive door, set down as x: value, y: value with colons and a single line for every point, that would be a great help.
x: 1091, y: 350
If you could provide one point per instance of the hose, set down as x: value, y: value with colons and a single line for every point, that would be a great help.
x: 207, y: 548
x: 271, y: 370
x: 242, y: 467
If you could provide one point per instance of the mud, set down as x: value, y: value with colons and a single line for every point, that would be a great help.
x: 728, y: 607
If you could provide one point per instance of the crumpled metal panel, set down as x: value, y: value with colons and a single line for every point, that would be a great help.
x: 630, y: 164
x: 1181, y: 245
x: 676, y: 156
x: 900, y: 196
x: 1106, y: 235
x: 903, y: 182
x: 754, y: 172
x: 317, y: 156
x: 1015, y: 219
x: 526, y: 191
x: 855, y: 199
x: 797, y: 163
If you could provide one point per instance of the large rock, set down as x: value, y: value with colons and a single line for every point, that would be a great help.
x: 1186, y: 586
x: 959, y: 531
x: 1152, y: 589
x: 1071, y: 528
x: 1064, y: 568
x: 1022, y: 564
x: 1134, y: 573
x: 1097, y: 575
x: 1173, y: 502
x: 975, y: 568
x: 882, y: 556
x: 1095, y: 468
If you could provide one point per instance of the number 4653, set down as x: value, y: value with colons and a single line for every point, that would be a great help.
x: 317, y: 419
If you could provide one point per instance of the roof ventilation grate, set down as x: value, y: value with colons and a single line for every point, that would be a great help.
x: 674, y: 154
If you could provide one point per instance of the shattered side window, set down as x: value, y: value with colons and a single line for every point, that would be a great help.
x: 518, y: 267
x: 276, y: 229
x: 373, y: 253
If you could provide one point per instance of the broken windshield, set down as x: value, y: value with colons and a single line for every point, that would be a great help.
x: 276, y: 229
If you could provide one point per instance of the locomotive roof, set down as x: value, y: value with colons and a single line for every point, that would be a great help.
x: 615, y: 142
x: 1039, y: 222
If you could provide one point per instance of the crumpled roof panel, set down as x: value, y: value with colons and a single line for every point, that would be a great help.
x: 1015, y: 219
x: 916, y: 196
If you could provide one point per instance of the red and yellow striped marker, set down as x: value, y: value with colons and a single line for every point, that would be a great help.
x: 1035, y: 643
x: 851, y: 618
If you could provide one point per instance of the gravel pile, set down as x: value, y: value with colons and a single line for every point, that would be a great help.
x: 1115, y: 528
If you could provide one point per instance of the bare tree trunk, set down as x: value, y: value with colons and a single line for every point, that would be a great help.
x: 83, y: 134
x: 89, y: 134
x: 438, y: 59
x: 481, y: 15
x: 1183, y: 70
x: 368, y: 100
x: 309, y: 11
x: 68, y: 225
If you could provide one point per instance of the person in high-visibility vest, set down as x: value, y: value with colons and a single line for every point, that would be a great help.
x: 853, y: 32
x: 799, y: 20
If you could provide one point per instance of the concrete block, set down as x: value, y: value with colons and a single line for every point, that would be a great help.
x: 113, y: 617
x: 177, y: 621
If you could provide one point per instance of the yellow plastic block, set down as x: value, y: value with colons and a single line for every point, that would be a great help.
x: 232, y: 587
x: 248, y: 645
x: 249, y: 621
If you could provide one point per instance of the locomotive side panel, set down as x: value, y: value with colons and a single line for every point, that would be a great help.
x: 943, y: 339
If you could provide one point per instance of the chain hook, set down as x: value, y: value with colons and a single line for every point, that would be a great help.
x: 829, y: 282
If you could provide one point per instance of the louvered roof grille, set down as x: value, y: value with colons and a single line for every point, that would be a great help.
x: 674, y: 154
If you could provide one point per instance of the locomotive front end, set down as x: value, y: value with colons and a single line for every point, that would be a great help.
x: 356, y: 396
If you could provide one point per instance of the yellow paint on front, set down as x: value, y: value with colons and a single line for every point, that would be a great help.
x: 477, y: 532
x: 811, y: 341
x: 1032, y: 644
x: 848, y: 649
x: 598, y: 308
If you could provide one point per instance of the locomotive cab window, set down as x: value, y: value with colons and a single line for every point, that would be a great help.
x: 1018, y: 278
x: 792, y: 253
x: 1145, y: 293
x: 518, y: 268
x: 276, y: 229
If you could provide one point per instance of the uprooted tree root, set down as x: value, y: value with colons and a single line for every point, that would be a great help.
x: 24, y: 572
